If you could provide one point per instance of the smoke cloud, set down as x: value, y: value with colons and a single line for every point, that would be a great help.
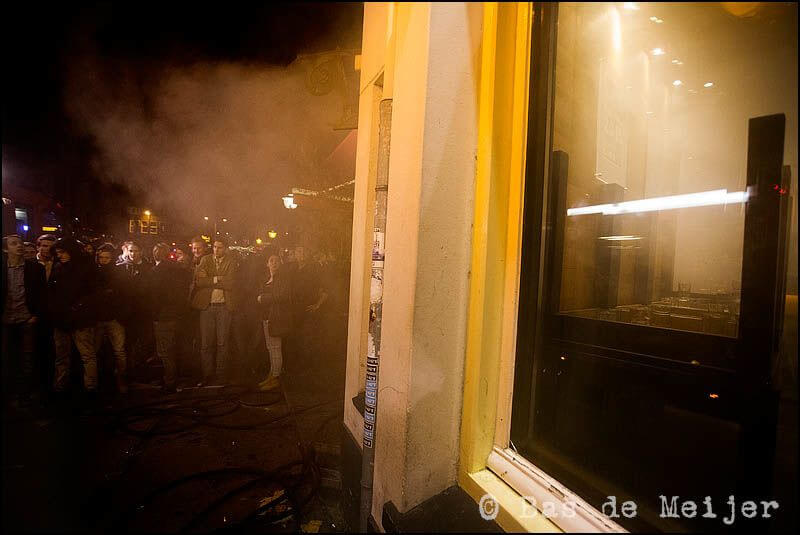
x: 210, y: 138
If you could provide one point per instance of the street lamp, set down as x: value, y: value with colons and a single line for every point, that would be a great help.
x: 272, y: 234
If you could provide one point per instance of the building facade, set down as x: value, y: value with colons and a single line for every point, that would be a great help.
x: 578, y: 226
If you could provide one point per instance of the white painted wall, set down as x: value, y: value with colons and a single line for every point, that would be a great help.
x: 429, y: 58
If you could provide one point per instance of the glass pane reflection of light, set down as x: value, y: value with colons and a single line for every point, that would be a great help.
x: 672, y: 202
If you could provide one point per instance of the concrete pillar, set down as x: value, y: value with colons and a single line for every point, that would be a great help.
x: 430, y: 208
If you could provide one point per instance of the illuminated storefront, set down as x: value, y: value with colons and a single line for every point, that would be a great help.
x: 590, y: 261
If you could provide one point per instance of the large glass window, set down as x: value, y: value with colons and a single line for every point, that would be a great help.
x: 651, y: 107
x: 636, y: 380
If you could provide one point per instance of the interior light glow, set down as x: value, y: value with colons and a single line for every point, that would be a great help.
x: 630, y: 5
x: 619, y: 238
x: 677, y: 62
x: 616, y: 30
x: 654, y: 19
x: 708, y: 84
x: 676, y: 83
x: 659, y: 21
x: 657, y: 52
x: 672, y: 202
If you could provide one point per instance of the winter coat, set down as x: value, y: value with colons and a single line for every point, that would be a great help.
x: 276, y: 303
x: 167, y: 289
x: 71, y: 292
x: 133, y: 288
x: 110, y: 293
x: 204, y: 281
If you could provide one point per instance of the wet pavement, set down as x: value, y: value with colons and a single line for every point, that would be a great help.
x: 197, y: 460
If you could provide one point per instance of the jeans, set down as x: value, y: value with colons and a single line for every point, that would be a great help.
x: 84, y: 341
x: 275, y: 355
x: 165, y: 349
x: 19, y: 346
x: 116, y: 335
x: 215, y: 328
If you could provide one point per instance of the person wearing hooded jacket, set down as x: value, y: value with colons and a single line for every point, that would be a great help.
x: 110, y: 306
x: 135, y: 315
x: 73, y: 315
x: 167, y: 287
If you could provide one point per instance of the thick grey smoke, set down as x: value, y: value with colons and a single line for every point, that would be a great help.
x: 218, y: 138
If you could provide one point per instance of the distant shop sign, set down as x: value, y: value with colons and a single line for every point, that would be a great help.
x: 143, y: 226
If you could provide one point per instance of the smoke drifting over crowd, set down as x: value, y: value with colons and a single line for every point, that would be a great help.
x: 207, y: 136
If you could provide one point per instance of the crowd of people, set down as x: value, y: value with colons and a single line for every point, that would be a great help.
x: 206, y: 314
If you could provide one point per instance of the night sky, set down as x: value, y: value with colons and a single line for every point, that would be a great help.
x: 44, y: 42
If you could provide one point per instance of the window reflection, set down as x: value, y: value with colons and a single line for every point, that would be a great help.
x: 651, y: 111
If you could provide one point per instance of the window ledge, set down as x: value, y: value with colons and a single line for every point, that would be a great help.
x: 515, y: 513
x: 529, y: 481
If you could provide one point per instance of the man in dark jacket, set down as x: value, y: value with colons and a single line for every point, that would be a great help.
x: 72, y: 312
x: 110, y: 304
x: 136, y: 315
x: 167, y: 288
x: 44, y: 329
x: 246, y: 323
x: 23, y: 305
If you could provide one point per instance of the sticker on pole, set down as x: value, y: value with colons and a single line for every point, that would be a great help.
x: 488, y: 507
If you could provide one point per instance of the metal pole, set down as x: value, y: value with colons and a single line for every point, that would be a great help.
x: 375, y: 313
